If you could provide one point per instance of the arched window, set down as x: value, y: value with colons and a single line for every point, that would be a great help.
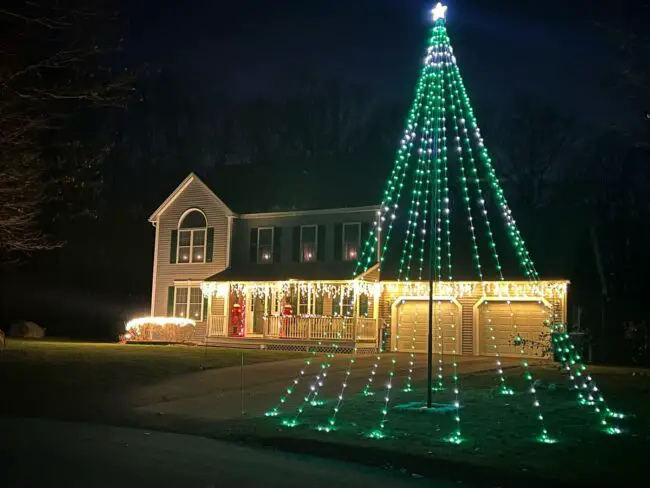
x: 191, y: 237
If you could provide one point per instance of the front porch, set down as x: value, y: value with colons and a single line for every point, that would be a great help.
x: 320, y: 333
x: 294, y: 315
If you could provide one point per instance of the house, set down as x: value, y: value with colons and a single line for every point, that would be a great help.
x: 286, y: 279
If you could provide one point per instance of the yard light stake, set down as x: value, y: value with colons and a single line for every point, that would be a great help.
x: 275, y: 411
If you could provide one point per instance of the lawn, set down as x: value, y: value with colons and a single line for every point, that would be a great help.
x: 65, y: 377
x: 84, y: 381
x: 499, y: 432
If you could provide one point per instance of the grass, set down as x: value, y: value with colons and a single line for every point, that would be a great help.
x: 500, y: 433
x: 61, y: 375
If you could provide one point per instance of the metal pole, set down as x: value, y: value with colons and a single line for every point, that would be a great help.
x: 430, y: 334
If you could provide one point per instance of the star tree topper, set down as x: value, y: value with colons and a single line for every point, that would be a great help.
x: 439, y: 11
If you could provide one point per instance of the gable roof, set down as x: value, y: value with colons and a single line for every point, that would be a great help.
x: 255, y: 188
x: 179, y: 189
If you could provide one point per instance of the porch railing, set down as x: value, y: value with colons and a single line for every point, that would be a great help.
x: 321, y: 328
x: 217, y: 326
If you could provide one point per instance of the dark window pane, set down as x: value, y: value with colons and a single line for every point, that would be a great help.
x: 184, y: 238
x: 193, y: 220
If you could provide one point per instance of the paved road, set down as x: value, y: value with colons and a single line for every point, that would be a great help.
x: 219, y: 395
x: 40, y: 453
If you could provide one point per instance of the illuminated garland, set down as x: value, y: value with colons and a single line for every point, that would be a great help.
x: 456, y: 289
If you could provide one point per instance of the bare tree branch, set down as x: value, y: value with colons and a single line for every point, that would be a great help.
x: 51, y: 74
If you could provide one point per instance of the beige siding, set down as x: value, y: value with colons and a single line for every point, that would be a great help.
x: 195, y: 195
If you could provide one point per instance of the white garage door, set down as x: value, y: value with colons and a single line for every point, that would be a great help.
x: 411, y: 326
x: 500, y: 324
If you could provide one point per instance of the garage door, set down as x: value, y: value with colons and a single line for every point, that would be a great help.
x: 411, y: 326
x: 501, y: 323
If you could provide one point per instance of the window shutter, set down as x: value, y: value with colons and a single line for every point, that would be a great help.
x: 205, y: 309
x: 253, y: 250
x: 277, y: 244
x: 296, y: 244
x: 170, y: 301
x: 363, y: 305
x: 365, y: 235
x: 209, y: 245
x: 173, y: 247
x: 338, y: 242
x: 320, y: 250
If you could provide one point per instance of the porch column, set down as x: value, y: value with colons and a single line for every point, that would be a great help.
x: 226, y: 312
x: 375, y: 315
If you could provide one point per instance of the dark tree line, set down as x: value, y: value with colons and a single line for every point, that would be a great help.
x: 89, y: 178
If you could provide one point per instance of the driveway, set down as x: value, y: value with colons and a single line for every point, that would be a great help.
x: 250, y: 391
x: 38, y: 453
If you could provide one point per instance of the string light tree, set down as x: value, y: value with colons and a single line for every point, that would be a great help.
x: 442, y: 130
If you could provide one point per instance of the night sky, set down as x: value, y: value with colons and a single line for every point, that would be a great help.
x: 554, y: 50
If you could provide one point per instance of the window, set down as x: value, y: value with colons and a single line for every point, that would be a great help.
x: 191, y: 238
x: 343, y: 305
x: 308, y: 243
x: 303, y: 303
x: 265, y: 245
x: 351, y: 241
x: 347, y: 306
x: 188, y: 302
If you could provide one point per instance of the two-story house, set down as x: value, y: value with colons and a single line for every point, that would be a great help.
x: 286, y: 280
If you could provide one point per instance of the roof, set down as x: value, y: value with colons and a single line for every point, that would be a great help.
x: 179, y: 189
x: 254, y: 188
x: 287, y: 271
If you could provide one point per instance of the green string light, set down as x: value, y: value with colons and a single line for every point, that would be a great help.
x: 379, y: 433
x: 456, y: 437
x: 275, y: 411
x: 511, y: 227
x: 331, y: 423
x: 392, y: 192
x: 576, y: 368
x: 466, y: 148
x: 373, y: 370
x: 312, y: 395
x: 463, y: 175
